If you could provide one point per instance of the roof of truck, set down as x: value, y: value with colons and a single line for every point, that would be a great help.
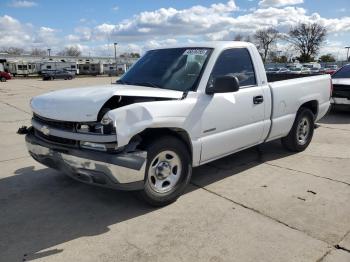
x: 211, y: 44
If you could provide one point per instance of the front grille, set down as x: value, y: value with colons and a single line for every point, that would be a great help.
x: 56, y: 140
x: 341, y: 91
x: 64, y: 125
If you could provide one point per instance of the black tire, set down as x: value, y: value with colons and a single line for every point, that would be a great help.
x: 154, y: 148
x: 70, y: 77
x: 2, y: 79
x: 293, y: 142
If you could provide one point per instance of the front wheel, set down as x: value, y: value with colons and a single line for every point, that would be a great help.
x: 302, y: 131
x: 168, y: 171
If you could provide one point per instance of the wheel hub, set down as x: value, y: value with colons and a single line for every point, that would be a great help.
x: 163, y: 170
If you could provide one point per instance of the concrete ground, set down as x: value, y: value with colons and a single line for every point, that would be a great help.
x: 263, y: 204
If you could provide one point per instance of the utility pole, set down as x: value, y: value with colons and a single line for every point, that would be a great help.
x: 49, y: 51
x: 115, y: 53
x: 347, y: 55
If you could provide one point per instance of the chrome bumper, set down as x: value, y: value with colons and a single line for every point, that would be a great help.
x: 124, y: 171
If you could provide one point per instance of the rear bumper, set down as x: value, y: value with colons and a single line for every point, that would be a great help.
x: 124, y: 171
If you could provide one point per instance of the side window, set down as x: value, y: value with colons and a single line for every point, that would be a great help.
x: 236, y: 62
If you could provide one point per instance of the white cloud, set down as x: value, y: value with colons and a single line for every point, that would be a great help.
x: 165, y: 26
x: 23, y: 4
x: 279, y: 3
x: 115, y: 8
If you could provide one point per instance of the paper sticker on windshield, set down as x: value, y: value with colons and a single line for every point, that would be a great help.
x: 195, y: 52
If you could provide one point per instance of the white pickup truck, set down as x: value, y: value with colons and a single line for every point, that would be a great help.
x: 175, y: 109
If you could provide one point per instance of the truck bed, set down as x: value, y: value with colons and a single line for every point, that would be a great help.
x: 289, y: 95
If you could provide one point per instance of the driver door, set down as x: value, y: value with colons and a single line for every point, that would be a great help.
x: 235, y: 120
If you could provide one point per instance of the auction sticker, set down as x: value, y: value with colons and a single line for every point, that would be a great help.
x: 196, y: 52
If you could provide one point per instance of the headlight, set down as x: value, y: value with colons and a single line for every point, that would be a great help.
x: 104, y: 127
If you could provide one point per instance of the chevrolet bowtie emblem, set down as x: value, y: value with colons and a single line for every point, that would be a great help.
x: 45, y: 130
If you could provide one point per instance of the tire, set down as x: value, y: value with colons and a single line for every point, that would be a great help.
x: 168, y: 171
x: 2, y: 79
x: 302, y: 131
x: 70, y: 77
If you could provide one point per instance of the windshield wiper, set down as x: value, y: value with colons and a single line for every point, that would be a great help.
x: 149, y: 84
x: 122, y: 82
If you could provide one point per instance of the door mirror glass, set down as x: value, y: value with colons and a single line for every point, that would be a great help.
x: 223, y: 84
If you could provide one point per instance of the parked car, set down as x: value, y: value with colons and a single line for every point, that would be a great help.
x: 271, y: 70
x: 299, y: 71
x: 4, y: 76
x: 330, y: 70
x: 57, y: 74
x: 314, y: 70
x: 277, y: 70
x: 341, y: 86
x: 175, y: 109
x: 282, y: 70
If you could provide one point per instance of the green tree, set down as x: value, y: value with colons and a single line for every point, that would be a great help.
x: 327, y: 58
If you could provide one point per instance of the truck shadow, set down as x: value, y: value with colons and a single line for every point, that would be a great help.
x: 43, y: 208
x: 337, y: 115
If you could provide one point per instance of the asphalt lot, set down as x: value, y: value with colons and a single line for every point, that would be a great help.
x: 263, y: 204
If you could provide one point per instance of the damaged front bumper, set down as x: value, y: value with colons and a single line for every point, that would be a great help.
x: 123, y: 170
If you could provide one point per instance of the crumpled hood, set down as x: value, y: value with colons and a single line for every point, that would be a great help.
x: 84, y: 104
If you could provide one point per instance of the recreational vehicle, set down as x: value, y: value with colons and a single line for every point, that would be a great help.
x: 48, y: 66
x: 22, y: 68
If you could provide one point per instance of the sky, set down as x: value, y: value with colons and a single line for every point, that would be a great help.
x: 137, y: 26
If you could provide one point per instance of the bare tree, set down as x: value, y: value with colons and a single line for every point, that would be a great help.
x: 248, y: 38
x: 265, y: 39
x: 307, y: 39
x: 38, y: 52
x: 70, y: 51
x: 13, y: 50
x: 238, y: 37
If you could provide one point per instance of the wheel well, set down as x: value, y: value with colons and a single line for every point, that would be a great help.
x: 150, y: 134
x: 312, y: 105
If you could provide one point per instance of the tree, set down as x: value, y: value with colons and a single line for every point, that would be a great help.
x: 238, y: 37
x: 38, y: 52
x: 327, y: 58
x: 307, y: 39
x: 265, y: 39
x: 13, y: 50
x: 70, y: 51
x: 283, y: 59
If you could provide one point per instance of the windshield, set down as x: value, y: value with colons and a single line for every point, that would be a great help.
x: 343, y: 72
x: 175, y: 68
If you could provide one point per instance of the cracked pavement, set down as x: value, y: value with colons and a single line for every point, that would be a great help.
x: 262, y: 204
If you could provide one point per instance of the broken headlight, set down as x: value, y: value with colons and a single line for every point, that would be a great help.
x: 105, y: 127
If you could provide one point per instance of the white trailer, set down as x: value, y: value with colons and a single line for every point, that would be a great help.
x: 91, y: 68
x: 59, y: 65
x: 22, y: 68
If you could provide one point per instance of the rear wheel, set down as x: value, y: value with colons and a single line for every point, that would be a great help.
x: 168, y: 171
x: 302, y: 131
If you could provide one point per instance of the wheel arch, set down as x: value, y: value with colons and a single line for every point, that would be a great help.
x: 312, y: 105
x: 153, y: 133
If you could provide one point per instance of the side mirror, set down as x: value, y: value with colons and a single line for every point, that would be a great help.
x: 223, y: 84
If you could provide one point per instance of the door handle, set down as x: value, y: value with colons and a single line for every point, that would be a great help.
x: 258, y: 100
